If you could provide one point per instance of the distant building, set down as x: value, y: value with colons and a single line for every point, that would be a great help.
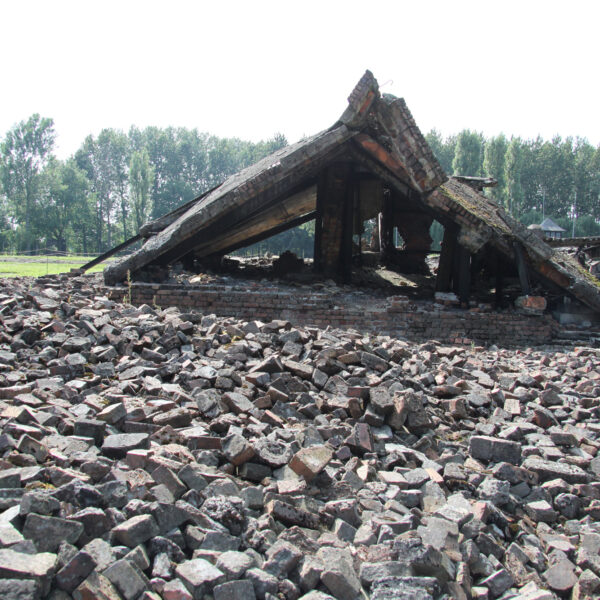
x: 549, y: 229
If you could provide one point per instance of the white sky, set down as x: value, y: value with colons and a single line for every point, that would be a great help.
x: 253, y: 68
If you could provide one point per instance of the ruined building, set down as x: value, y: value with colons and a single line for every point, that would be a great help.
x: 372, y: 163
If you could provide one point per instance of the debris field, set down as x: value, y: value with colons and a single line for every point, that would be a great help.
x: 148, y: 453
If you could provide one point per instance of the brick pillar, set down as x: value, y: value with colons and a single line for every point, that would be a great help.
x: 414, y: 229
x: 334, y: 216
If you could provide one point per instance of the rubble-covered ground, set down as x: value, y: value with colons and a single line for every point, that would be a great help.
x: 147, y: 453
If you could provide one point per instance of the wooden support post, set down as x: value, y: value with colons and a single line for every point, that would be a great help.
x: 499, y: 276
x: 522, y: 269
x: 357, y: 226
x: 446, y: 263
x: 348, y: 230
x: 464, y: 274
x: 318, y: 243
x: 387, y: 227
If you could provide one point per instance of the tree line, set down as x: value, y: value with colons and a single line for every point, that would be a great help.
x: 114, y: 182
x: 558, y: 178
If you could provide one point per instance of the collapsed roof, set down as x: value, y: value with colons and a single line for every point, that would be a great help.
x: 373, y: 162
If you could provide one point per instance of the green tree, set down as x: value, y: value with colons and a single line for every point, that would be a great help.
x: 63, y: 200
x: 178, y: 158
x: 106, y: 163
x: 25, y: 152
x: 586, y: 226
x: 6, y: 227
x: 86, y: 160
x: 494, y: 165
x: 84, y: 226
x: 533, y: 192
x: 556, y: 177
x: 141, y: 178
x: 531, y: 217
x: 513, y: 168
x: 443, y: 149
x: 119, y: 168
x: 186, y: 163
x: 595, y: 185
x: 586, y: 174
x: 225, y: 157
x: 468, y: 155
x: 112, y: 162
x: 266, y: 147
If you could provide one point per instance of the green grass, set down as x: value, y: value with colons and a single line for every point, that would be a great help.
x: 71, y: 258
x: 37, y: 269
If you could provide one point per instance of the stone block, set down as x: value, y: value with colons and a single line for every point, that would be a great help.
x: 309, y: 462
x: 136, y: 530
x: 493, y: 449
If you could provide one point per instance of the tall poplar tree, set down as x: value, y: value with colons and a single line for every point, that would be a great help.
x: 468, y: 155
x: 494, y: 165
x: 63, y: 202
x: 141, y: 179
x: 443, y: 149
x: 25, y: 152
x: 513, y: 167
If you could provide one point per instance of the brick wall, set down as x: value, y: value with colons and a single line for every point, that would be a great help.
x: 395, y: 315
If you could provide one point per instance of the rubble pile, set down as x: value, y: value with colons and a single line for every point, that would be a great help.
x: 147, y: 453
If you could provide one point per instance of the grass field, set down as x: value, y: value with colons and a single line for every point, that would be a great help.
x: 36, y: 266
x: 71, y: 258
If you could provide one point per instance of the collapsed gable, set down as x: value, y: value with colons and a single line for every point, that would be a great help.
x: 277, y: 190
x: 482, y: 221
x: 372, y: 161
